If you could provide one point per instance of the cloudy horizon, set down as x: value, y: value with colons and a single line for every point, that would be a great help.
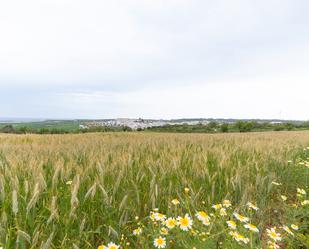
x: 65, y: 59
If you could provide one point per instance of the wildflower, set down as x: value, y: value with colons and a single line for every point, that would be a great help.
x: 185, y: 223
x: 137, y: 231
x: 217, y: 206
x: 227, y: 203
x: 231, y: 224
x: 187, y: 190
x: 272, y: 245
x: 206, y: 222
x: 152, y: 216
x: 159, y: 242
x: 160, y: 217
x: 111, y: 245
x: 251, y: 227
x: 288, y: 230
x: 170, y: 223
x: 295, y: 227
x: 276, y: 183
x: 252, y: 206
x: 223, y: 212
x: 136, y: 217
x: 194, y: 232
x: 175, y: 202
x: 238, y: 237
x: 240, y: 217
x: 99, y: 247
x: 164, y: 231
x: 69, y: 182
x: 283, y: 197
x: 273, y: 234
x: 301, y: 191
x: 305, y: 202
x: 202, y: 216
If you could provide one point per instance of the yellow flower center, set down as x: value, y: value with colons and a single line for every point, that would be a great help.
x: 232, y: 223
x: 184, y: 222
x: 203, y: 214
x: 171, y: 223
x: 273, y: 235
x: 160, y: 241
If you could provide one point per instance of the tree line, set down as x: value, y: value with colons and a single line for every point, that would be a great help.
x: 27, y: 130
x: 239, y: 126
x: 211, y: 127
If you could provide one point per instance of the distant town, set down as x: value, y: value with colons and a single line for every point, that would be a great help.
x: 136, y: 124
x: 140, y: 123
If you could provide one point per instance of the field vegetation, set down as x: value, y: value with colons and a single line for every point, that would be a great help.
x: 152, y: 190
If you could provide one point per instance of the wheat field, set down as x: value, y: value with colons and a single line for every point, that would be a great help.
x: 116, y: 190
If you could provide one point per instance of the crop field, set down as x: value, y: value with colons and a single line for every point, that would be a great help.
x: 152, y: 190
x: 65, y: 125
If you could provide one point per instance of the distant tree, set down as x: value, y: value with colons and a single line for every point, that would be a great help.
x: 278, y: 128
x: 43, y: 131
x: 244, y: 126
x: 24, y: 130
x: 212, y: 124
x: 239, y: 125
x: 126, y: 128
x: 8, y: 129
x: 257, y: 125
x: 248, y: 126
x: 305, y: 124
x: 224, y: 127
x: 289, y: 126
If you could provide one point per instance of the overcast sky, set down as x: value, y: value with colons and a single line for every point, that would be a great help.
x: 154, y: 58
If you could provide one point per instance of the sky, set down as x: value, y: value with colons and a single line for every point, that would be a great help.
x: 67, y: 59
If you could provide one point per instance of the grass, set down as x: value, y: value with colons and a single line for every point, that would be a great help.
x: 84, y: 190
